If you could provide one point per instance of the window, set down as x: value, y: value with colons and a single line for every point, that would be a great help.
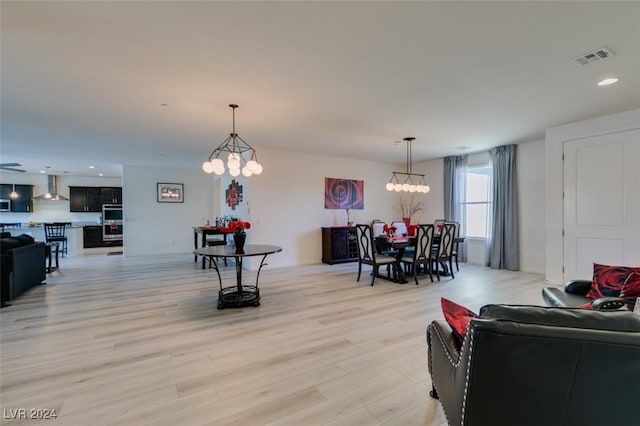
x: 476, y: 206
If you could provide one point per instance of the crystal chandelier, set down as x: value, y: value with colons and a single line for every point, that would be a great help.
x: 407, y: 181
x: 236, y: 148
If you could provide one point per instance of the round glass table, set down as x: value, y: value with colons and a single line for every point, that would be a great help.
x: 239, y: 295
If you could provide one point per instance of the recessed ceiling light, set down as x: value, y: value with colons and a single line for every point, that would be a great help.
x: 608, y: 81
x: 100, y: 174
x: 92, y: 167
x: 42, y: 171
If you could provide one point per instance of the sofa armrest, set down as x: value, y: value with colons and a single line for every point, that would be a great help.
x: 579, y: 287
x: 611, y: 303
x: 447, y: 367
x: 29, y: 268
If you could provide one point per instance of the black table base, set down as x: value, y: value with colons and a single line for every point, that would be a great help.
x: 229, y: 297
x: 239, y: 295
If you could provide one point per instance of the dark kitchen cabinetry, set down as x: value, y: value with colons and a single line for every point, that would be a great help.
x: 91, y: 198
x: 92, y: 237
x: 85, y: 199
x: 339, y: 244
x: 24, y: 202
x: 111, y: 195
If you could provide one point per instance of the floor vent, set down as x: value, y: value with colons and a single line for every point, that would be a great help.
x: 594, y: 56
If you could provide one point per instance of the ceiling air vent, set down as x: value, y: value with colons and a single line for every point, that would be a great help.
x: 594, y: 56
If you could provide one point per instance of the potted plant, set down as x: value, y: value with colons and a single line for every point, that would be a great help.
x: 409, y: 207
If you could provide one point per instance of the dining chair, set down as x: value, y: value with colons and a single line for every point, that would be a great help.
x: 367, y: 253
x: 401, y: 231
x: 442, y: 253
x: 401, y: 228
x: 456, y: 235
x: 377, y: 226
x: 438, y: 225
x: 422, y: 252
x: 57, y: 232
x: 216, y: 240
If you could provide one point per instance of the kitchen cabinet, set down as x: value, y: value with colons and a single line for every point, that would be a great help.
x: 339, y: 244
x: 91, y: 198
x: 24, y: 202
x: 92, y: 237
x: 111, y: 195
x: 85, y: 199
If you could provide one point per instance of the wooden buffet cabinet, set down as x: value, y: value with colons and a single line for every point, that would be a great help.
x: 339, y: 244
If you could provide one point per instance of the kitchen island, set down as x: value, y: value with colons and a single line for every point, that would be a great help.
x: 74, y: 235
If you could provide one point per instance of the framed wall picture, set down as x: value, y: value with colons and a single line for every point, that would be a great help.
x: 343, y: 193
x: 170, y: 192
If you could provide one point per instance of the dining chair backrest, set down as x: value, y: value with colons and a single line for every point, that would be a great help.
x: 456, y: 229
x: 438, y: 225
x: 53, y: 231
x: 366, y: 248
x: 445, y: 247
x: 401, y: 227
x: 424, y: 242
x: 377, y: 226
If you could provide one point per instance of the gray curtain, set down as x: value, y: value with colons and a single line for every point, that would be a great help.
x: 455, y: 193
x: 503, y: 250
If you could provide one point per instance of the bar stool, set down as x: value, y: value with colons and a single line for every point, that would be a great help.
x: 57, y: 232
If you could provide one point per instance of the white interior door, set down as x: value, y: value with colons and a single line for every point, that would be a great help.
x: 601, y: 202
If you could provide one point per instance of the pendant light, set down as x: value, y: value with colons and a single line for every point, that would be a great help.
x: 236, y: 148
x: 407, y: 182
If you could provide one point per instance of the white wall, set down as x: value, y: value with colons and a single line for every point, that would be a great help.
x: 285, y: 205
x: 287, y: 201
x: 554, y: 140
x: 531, y: 206
x: 159, y: 228
x: 434, y: 200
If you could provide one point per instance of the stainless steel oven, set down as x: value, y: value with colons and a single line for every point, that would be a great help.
x: 5, y: 205
x: 112, y: 222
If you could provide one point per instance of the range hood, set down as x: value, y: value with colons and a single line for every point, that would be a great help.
x: 52, y: 191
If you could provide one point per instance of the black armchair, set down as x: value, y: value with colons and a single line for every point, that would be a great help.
x: 525, y: 365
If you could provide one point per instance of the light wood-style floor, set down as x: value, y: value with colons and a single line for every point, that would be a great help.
x: 121, y: 341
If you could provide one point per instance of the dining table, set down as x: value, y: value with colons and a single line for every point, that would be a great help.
x: 400, y: 244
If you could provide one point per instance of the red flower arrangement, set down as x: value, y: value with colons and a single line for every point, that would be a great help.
x: 391, y: 230
x: 238, y: 226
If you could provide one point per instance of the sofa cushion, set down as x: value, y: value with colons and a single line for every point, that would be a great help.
x: 608, y: 280
x: 11, y: 243
x: 618, y: 320
x: 457, y: 316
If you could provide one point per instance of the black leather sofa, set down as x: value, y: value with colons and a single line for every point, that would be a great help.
x: 22, y: 266
x: 574, y: 295
x: 525, y: 365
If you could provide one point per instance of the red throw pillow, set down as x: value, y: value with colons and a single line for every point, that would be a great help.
x: 457, y: 316
x: 608, y: 280
x: 631, y: 287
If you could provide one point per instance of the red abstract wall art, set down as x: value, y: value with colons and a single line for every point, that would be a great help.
x: 343, y: 194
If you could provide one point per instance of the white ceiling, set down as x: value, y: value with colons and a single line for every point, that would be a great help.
x: 83, y: 82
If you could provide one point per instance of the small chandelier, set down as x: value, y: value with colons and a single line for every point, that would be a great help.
x: 407, y: 183
x: 235, y: 146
